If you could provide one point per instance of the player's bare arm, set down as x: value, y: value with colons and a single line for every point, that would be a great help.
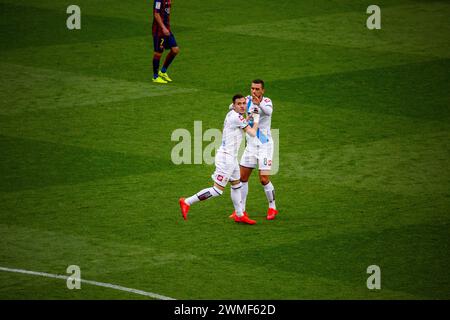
x: 160, y: 22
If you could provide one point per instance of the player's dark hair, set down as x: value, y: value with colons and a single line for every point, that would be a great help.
x: 259, y: 81
x: 237, y: 96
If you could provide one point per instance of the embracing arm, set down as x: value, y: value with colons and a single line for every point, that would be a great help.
x: 252, y: 130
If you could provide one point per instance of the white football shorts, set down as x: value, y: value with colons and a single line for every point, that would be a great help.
x: 260, y: 155
x: 227, y: 169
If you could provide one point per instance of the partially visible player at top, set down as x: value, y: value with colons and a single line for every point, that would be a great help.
x: 259, y: 149
x: 163, y: 38
x: 227, y: 167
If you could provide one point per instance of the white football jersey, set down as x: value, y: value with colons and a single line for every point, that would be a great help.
x: 232, y: 133
x: 263, y: 134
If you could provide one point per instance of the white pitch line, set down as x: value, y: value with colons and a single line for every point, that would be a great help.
x: 95, y: 283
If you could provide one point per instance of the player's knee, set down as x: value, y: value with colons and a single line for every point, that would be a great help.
x: 264, y: 180
x: 236, y: 184
x: 175, y: 50
x: 245, y: 174
x: 218, y: 188
x: 157, y: 55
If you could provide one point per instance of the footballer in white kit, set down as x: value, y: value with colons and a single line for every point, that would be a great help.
x: 227, y: 167
x: 259, y: 149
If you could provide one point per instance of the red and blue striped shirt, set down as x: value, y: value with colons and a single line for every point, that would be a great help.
x: 163, y: 8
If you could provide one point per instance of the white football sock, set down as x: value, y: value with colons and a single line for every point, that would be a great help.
x: 205, y: 194
x: 244, y: 192
x: 237, y: 199
x: 270, y: 194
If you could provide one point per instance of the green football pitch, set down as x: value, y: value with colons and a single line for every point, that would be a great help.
x: 87, y: 177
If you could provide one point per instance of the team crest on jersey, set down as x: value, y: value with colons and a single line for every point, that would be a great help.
x: 266, y: 100
x: 219, y: 177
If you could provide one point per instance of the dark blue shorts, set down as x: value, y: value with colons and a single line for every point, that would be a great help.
x: 162, y: 42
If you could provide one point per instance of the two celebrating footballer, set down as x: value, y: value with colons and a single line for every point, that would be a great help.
x: 252, y: 115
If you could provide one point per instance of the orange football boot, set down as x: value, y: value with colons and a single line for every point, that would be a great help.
x: 184, y: 208
x: 244, y: 219
x: 233, y: 215
x: 271, y: 213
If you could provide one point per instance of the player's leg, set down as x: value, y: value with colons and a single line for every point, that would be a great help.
x: 246, y: 166
x: 236, y: 197
x: 237, y: 203
x: 265, y: 165
x: 245, y: 175
x: 205, y: 194
x: 269, y: 190
x: 235, y: 193
x: 158, y: 47
x: 221, y: 176
x: 170, y: 57
x: 248, y: 162
x: 174, y: 50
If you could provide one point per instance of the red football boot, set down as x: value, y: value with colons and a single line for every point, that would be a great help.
x: 271, y: 213
x: 233, y: 215
x: 244, y: 219
x: 184, y: 208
